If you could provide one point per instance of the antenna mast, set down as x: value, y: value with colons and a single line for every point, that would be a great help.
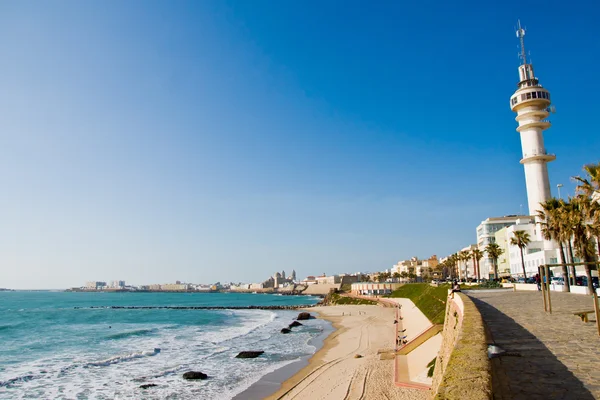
x: 521, y: 36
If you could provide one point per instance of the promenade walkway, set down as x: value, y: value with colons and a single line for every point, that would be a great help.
x: 550, y: 356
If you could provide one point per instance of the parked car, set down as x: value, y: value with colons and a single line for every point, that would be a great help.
x: 557, y: 280
x: 582, y: 281
x: 530, y: 279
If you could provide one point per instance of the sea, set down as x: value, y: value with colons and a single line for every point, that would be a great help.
x: 71, y: 345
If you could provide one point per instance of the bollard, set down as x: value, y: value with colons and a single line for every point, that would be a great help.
x: 541, y: 272
x: 596, y: 310
x: 548, y: 287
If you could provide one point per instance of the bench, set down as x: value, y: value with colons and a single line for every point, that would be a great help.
x: 583, y: 315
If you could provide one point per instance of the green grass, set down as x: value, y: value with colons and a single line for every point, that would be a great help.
x: 346, y: 288
x: 429, y: 299
x: 336, y: 299
x: 431, y: 368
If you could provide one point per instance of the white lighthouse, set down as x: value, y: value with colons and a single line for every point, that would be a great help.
x: 531, y: 102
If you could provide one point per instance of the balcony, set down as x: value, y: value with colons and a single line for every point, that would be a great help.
x: 542, y: 124
x: 538, y: 154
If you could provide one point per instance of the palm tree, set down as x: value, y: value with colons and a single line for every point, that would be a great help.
x: 465, y: 256
x: 477, y: 256
x: 396, y: 276
x: 590, y: 187
x: 565, y: 215
x: 584, y: 246
x: 551, y: 218
x: 494, y: 251
x: 454, y: 260
x: 404, y: 274
x: 521, y: 239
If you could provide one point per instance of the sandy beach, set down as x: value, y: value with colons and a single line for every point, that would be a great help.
x: 334, y: 372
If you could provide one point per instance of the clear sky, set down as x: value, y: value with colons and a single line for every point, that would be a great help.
x: 209, y: 141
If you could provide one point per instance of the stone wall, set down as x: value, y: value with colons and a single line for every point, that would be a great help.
x: 321, y: 288
x: 462, y: 368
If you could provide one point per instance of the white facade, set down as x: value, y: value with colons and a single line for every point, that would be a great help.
x: 531, y: 102
x: 534, y: 255
x: 117, y: 284
x: 466, y: 269
x: 486, y: 234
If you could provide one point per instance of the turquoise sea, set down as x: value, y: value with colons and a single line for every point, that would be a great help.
x: 54, y: 346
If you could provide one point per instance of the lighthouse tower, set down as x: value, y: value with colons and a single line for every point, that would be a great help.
x: 531, y: 102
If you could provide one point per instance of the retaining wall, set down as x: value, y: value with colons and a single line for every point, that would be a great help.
x: 462, y: 368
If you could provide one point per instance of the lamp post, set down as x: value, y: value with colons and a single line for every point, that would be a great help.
x: 558, y: 186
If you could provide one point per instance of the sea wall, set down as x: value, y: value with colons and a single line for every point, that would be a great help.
x: 321, y: 289
x: 462, y: 368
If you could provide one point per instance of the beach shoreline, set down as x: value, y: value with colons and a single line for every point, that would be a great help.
x: 270, y: 384
x: 347, y: 365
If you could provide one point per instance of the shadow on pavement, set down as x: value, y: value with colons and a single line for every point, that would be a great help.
x: 529, y: 370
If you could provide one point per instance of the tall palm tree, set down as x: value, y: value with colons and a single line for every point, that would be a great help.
x: 494, y: 251
x: 477, y: 256
x: 453, y: 263
x: 465, y: 256
x: 591, y: 184
x: 552, y: 225
x: 590, y: 187
x: 584, y: 246
x: 566, y: 220
x: 521, y: 239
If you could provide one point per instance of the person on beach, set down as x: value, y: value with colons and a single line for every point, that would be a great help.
x: 455, y: 288
x: 538, y: 282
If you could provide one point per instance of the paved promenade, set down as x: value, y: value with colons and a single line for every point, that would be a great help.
x: 550, y: 356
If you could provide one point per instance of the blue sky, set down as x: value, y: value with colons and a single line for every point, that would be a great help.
x: 210, y: 140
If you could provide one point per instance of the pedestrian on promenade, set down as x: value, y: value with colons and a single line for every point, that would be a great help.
x: 455, y: 288
x: 538, y: 281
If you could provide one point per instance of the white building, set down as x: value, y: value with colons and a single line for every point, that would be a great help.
x: 95, y: 285
x: 486, y: 232
x: 117, y: 284
x: 534, y: 254
x: 466, y: 269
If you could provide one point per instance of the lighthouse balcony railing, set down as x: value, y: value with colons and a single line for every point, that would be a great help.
x: 537, y: 152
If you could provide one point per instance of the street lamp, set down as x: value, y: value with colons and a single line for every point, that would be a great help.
x: 558, y: 186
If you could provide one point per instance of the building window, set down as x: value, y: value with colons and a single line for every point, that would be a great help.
x: 534, y: 95
x: 523, y: 97
x: 528, y: 95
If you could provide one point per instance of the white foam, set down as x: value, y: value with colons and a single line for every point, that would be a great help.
x: 121, y: 369
x: 121, y: 358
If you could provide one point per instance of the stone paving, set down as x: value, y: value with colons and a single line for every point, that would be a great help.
x: 549, y: 356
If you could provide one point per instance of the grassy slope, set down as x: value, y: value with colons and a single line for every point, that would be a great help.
x: 341, y: 300
x: 430, y: 300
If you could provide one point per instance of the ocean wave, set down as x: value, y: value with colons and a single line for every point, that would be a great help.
x: 9, y: 327
x: 13, y: 381
x: 126, y: 357
x: 123, y: 335
x: 251, y: 320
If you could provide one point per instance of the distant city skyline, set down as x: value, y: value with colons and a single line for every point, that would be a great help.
x: 221, y: 141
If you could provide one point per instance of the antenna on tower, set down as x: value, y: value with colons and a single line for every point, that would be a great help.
x: 521, y: 36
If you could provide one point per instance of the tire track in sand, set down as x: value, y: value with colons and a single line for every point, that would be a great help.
x: 320, y: 370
